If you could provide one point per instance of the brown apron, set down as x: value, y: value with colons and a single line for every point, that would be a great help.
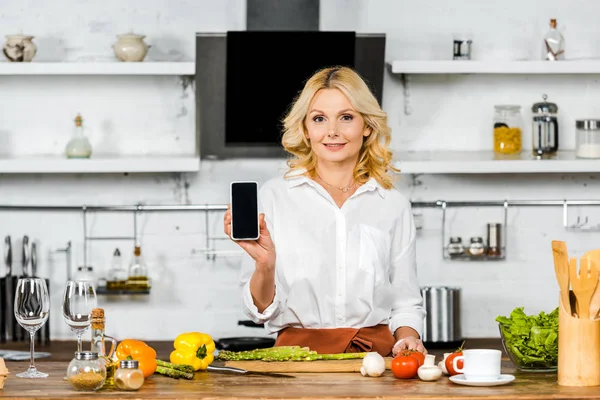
x: 377, y: 338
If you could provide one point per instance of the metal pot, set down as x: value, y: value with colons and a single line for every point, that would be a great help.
x: 442, y: 323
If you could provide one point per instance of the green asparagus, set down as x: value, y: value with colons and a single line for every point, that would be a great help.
x: 173, y: 373
x: 284, y: 353
x: 179, y: 367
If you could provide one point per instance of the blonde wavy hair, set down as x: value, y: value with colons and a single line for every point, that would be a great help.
x: 375, y: 157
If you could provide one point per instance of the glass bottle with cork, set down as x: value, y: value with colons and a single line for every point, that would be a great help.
x: 553, y: 47
x: 138, y: 272
x: 99, y: 339
x: 79, y: 146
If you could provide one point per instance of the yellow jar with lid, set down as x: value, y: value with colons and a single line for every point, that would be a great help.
x: 508, y: 129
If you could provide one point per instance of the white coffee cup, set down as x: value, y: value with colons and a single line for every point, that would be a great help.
x: 479, y: 364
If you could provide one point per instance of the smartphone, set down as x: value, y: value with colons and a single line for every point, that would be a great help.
x: 243, y: 197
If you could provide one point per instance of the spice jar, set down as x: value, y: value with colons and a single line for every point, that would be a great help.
x: 456, y: 248
x: 129, y: 376
x: 494, y: 247
x: 86, y: 372
x: 508, y: 129
x: 588, y: 138
x: 476, y: 248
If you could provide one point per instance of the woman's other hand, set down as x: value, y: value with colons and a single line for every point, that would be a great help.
x: 408, y: 343
x: 261, y: 250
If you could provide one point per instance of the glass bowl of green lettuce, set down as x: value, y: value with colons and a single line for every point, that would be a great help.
x: 531, y: 341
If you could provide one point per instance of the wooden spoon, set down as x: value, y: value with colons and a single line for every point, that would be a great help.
x: 595, y: 302
x: 561, y: 268
x: 583, y: 284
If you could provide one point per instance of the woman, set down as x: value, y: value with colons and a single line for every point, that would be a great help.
x: 334, y: 268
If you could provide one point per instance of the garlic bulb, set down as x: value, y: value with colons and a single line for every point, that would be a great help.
x: 373, y: 365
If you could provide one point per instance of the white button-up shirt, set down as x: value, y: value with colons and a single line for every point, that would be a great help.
x: 348, y: 267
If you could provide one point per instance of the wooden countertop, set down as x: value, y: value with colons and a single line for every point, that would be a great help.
x: 304, y: 385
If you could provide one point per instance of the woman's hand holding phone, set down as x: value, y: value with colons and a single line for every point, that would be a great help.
x: 261, y: 250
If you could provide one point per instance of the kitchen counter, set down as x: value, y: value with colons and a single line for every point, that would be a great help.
x: 304, y: 385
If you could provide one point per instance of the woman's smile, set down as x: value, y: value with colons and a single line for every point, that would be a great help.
x: 334, y: 146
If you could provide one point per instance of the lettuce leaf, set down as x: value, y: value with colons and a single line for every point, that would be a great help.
x: 532, y: 339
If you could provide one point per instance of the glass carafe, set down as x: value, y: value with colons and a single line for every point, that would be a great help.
x: 79, y: 146
x: 544, y: 128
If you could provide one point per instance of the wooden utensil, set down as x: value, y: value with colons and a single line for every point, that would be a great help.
x: 303, y: 366
x: 595, y: 302
x: 561, y: 268
x: 583, y: 284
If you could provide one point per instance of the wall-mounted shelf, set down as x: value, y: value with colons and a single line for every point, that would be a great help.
x: 485, y: 162
x: 98, y: 68
x: 104, y: 291
x: 129, y: 164
x: 495, y: 67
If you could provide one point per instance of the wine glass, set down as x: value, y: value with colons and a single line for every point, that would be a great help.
x: 78, y: 302
x: 32, y: 305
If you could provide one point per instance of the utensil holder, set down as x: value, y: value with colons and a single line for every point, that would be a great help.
x: 578, y: 350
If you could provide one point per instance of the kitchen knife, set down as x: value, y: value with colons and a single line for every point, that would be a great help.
x: 239, y: 371
x: 11, y: 283
x: 3, y: 292
x: 22, y: 333
x: 43, y: 334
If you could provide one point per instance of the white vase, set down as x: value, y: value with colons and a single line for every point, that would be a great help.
x: 19, y: 48
x: 130, y: 47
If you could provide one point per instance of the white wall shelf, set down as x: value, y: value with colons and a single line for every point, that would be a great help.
x: 495, y: 67
x: 485, y: 162
x: 98, y: 68
x: 124, y: 164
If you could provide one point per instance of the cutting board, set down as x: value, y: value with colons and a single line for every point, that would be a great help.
x: 303, y: 366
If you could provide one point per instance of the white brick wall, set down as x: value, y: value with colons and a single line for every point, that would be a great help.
x: 143, y: 115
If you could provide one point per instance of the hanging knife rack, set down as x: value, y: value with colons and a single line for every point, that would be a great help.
x: 210, y: 241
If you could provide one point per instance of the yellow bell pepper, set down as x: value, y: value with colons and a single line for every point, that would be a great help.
x: 193, y: 348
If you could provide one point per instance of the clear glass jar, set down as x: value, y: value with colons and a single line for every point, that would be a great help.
x: 86, y: 372
x: 456, y: 248
x: 508, y: 129
x: 129, y: 376
x: 117, y: 275
x: 588, y: 138
x: 476, y: 248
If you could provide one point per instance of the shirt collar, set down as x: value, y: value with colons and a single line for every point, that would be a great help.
x: 298, y: 178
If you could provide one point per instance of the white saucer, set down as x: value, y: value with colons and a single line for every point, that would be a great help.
x: 502, y: 380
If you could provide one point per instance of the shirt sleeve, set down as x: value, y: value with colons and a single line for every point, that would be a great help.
x: 247, y: 270
x: 407, y: 307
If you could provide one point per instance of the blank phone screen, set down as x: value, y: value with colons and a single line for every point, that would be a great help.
x: 244, y: 210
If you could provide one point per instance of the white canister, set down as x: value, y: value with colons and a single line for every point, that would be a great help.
x: 19, y: 48
x: 588, y: 138
x: 130, y: 47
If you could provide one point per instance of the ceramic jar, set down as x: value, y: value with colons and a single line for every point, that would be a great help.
x: 19, y: 48
x: 130, y: 47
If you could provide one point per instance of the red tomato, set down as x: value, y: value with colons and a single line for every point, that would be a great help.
x: 404, y: 366
x: 459, y: 363
x: 417, y: 354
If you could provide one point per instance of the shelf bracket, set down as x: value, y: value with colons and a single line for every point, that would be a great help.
x: 405, y: 79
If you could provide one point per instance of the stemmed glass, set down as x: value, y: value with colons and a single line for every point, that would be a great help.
x: 32, y: 305
x: 78, y: 302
